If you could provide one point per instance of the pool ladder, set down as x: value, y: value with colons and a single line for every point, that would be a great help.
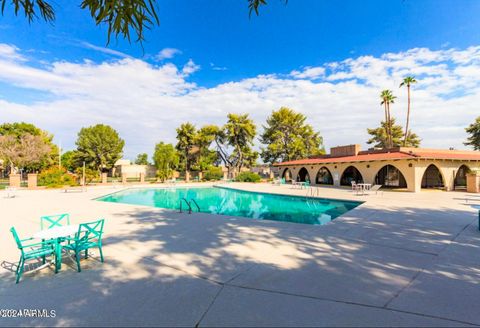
x: 189, y: 205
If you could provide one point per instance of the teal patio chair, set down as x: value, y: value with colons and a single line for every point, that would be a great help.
x: 31, y: 251
x: 52, y: 221
x: 306, y: 184
x: 89, y: 235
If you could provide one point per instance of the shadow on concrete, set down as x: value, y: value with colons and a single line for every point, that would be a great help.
x: 166, y: 269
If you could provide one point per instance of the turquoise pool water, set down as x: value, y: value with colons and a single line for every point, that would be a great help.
x: 238, y: 203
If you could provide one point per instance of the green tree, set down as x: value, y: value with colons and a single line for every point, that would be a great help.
x: 186, y: 146
x: 287, y: 137
x: 381, y: 139
x: 142, y: 159
x: 120, y: 16
x: 407, y: 81
x: 234, y: 143
x: 19, y: 129
x: 99, y: 146
x: 204, y: 139
x: 387, y: 99
x: 70, y: 160
x: 474, y: 131
x: 166, y: 159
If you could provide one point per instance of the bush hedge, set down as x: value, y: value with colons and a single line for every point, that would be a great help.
x: 55, y: 177
x: 248, y: 177
x: 213, y: 173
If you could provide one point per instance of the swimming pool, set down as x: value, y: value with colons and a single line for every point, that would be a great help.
x: 233, y: 202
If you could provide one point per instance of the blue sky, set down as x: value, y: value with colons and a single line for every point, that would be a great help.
x: 226, y: 47
x: 282, y: 38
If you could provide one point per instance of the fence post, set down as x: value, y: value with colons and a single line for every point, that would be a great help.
x: 14, y: 180
x: 32, y: 180
x: 104, y: 177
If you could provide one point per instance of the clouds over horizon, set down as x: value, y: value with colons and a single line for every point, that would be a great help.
x: 146, y: 102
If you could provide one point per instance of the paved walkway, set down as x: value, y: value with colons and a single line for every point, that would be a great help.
x: 399, y: 259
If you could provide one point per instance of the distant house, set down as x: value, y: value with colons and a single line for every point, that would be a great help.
x: 407, y: 168
x: 125, y: 166
x: 263, y: 170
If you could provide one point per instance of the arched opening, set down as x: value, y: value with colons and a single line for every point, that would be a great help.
x: 432, y: 178
x: 303, y: 175
x: 287, y: 174
x: 351, y: 174
x: 324, y: 176
x: 390, y: 177
x: 460, y: 182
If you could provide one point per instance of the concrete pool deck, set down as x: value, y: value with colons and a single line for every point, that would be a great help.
x: 399, y: 259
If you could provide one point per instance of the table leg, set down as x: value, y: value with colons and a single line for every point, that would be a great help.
x: 58, y: 256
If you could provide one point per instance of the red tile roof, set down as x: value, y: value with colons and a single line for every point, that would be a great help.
x: 405, y: 153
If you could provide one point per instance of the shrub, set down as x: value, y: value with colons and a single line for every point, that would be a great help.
x: 55, y: 177
x: 90, y: 174
x: 213, y: 173
x: 248, y: 177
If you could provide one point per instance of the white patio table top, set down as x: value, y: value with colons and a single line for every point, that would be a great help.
x: 56, y: 232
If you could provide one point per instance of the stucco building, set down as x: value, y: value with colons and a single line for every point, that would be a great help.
x: 125, y: 167
x: 406, y: 168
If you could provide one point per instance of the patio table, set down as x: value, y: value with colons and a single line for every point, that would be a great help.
x: 57, y: 233
x: 363, y: 187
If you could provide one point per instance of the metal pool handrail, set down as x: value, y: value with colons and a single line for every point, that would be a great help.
x: 195, y: 202
x: 188, y: 204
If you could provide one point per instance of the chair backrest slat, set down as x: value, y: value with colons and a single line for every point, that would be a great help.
x: 52, y: 221
x: 17, y: 239
x: 375, y: 187
x: 89, y: 232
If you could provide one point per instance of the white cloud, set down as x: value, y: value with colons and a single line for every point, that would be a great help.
x: 341, y: 99
x: 217, y: 68
x: 167, y: 53
x: 10, y: 52
x: 190, y: 67
x: 104, y: 50
x: 308, y: 73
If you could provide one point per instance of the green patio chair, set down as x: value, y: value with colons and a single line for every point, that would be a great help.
x: 89, y: 235
x: 31, y: 251
x: 52, y: 221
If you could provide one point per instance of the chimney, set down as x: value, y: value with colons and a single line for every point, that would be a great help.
x: 341, y: 151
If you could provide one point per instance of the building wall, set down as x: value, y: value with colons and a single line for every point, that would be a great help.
x: 134, y: 170
x: 412, y: 170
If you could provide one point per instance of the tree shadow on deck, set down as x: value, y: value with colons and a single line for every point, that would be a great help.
x: 166, y: 268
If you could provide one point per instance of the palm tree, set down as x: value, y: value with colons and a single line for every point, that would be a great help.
x: 387, y: 99
x: 408, y: 81
x: 384, y: 97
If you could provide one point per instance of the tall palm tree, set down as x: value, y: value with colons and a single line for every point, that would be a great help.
x: 384, y: 97
x: 408, y: 81
x: 387, y: 99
